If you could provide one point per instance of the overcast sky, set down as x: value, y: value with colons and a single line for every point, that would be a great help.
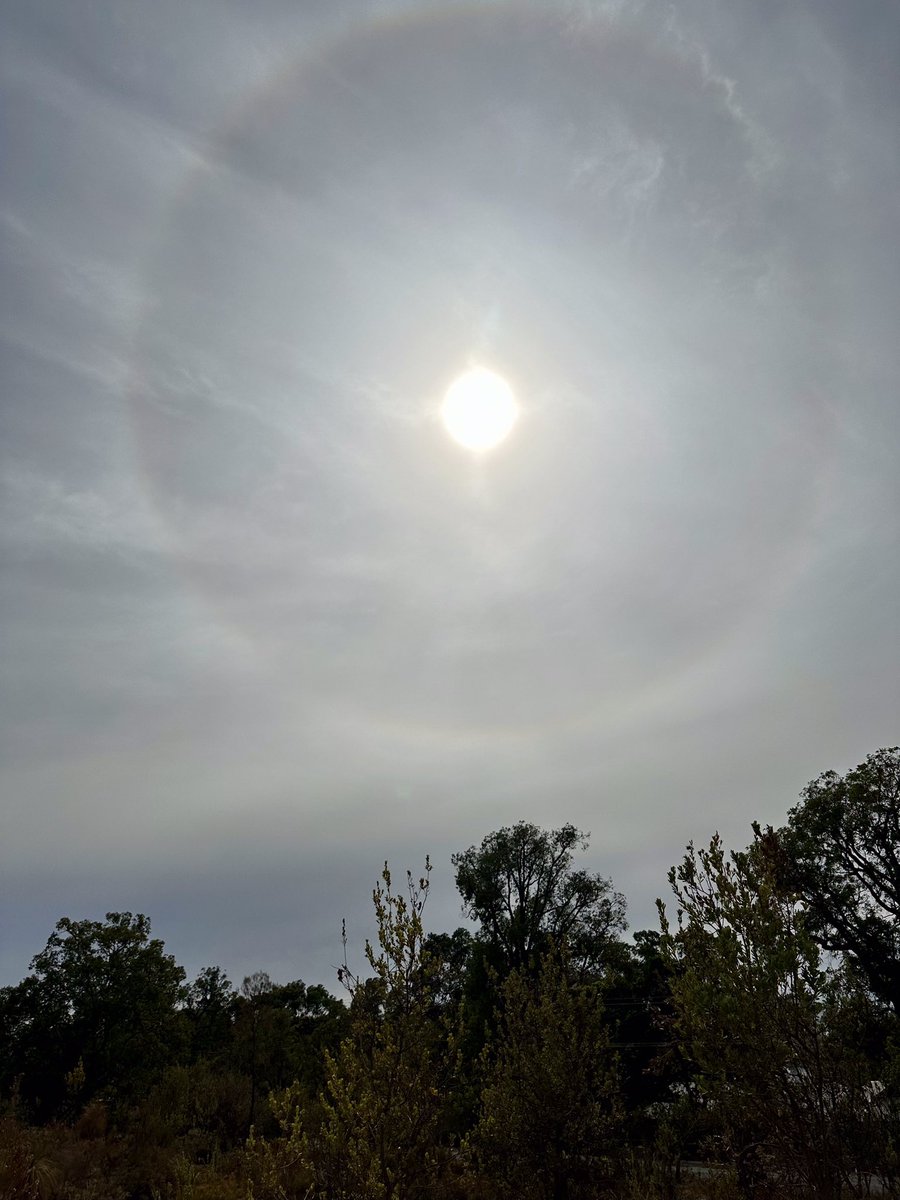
x: 264, y: 623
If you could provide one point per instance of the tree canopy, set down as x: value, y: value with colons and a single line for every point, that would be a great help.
x: 98, y: 1016
x: 539, y: 1057
x: 521, y: 887
x: 841, y: 853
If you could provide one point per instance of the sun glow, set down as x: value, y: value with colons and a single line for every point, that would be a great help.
x: 479, y: 409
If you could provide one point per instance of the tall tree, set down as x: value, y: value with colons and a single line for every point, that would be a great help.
x: 256, y: 1032
x: 520, y: 885
x: 764, y: 1024
x: 101, y: 1010
x: 210, y: 1009
x: 841, y: 853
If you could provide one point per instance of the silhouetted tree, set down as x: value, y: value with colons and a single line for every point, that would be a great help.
x: 637, y: 1001
x: 840, y: 851
x: 100, y: 1013
x: 521, y: 887
x: 210, y: 1008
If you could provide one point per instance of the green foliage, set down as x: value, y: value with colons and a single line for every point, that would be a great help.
x: 209, y: 1006
x: 764, y: 1022
x: 197, y: 1107
x: 278, y: 1168
x: 550, y: 1104
x: 638, y: 1003
x: 540, y: 1058
x: 98, y: 1015
x: 521, y: 888
x: 454, y: 952
x: 280, y: 1033
x: 386, y: 1089
x: 840, y: 850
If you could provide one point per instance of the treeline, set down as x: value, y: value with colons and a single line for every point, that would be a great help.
x: 749, y: 1047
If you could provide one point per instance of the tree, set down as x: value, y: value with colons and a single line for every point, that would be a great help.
x: 280, y: 1031
x: 550, y: 1105
x: 210, y: 1008
x: 256, y: 1031
x: 386, y: 1089
x: 318, y: 1022
x: 764, y: 1024
x: 841, y: 853
x: 521, y: 888
x: 100, y: 1014
x: 637, y: 1001
x: 454, y: 953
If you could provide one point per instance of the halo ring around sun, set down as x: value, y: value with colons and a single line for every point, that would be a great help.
x: 157, y: 449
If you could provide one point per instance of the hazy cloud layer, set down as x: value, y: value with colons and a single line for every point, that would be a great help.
x: 265, y: 625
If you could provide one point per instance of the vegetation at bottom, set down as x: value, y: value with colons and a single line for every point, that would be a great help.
x: 747, y: 1048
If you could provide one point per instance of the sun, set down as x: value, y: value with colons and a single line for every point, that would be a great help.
x: 479, y: 409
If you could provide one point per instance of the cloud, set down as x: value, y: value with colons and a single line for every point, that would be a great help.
x: 268, y: 624
x: 44, y: 510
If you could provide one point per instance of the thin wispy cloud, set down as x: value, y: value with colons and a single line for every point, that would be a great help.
x: 264, y: 617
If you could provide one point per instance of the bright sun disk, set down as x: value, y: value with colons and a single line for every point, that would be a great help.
x: 479, y: 409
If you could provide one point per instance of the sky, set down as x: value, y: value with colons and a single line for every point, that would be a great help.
x: 264, y: 624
